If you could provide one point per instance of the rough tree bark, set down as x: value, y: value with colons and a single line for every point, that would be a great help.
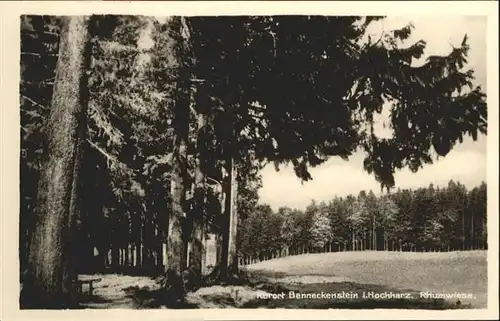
x: 175, y: 243
x: 229, y: 259
x: 181, y: 101
x: 233, y: 221
x: 50, y: 271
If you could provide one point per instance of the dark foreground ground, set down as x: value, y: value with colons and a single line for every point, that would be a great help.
x: 350, y: 273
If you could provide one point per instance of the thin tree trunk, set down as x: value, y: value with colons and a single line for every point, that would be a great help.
x: 138, y: 254
x: 472, y: 240
x: 133, y: 257
x: 374, y: 235
x: 145, y: 243
x: 463, y: 229
x: 50, y: 274
x: 127, y: 255
x: 106, y: 259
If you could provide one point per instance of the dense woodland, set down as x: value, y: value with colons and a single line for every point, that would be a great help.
x: 132, y: 152
x: 428, y: 219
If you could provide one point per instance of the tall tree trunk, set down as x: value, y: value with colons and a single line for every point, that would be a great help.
x: 70, y: 274
x: 181, y: 102
x: 50, y: 271
x: 219, y: 237
x: 199, y: 197
x: 175, y: 241
x: 225, y: 225
x: 229, y: 259
x: 233, y: 220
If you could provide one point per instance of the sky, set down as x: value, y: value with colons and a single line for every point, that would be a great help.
x: 465, y: 163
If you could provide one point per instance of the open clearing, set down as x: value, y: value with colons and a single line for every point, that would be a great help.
x: 450, y: 272
x: 354, y: 272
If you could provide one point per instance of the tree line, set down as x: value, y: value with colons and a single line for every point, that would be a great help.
x: 430, y: 219
x: 142, y: 149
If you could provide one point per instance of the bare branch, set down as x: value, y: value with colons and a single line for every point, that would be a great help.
x: 48, y: 81
x: 213, y: 180
x: 37, y: 54
x: 34, y: 102
x: 109, y: 157
x: 102, y: 151
x: 55, y: 34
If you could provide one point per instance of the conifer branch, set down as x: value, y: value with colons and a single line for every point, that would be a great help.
x: 26, y: 53
x: 33, y: 102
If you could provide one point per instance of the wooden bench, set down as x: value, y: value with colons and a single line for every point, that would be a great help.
x: 80, y: 283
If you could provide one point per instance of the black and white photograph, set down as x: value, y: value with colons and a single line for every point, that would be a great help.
x: 277, y: 161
